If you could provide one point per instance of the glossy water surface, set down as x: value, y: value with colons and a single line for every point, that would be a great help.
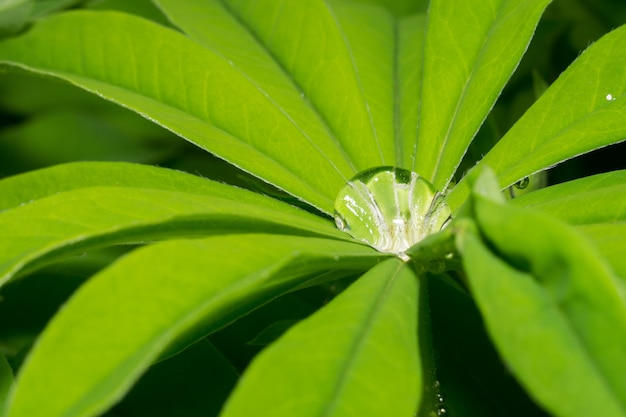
x: 391, y: 209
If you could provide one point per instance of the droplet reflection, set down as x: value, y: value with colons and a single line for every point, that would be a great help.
x: 390, y: 209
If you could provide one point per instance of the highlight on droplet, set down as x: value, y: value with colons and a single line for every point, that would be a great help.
x: 390, y: 209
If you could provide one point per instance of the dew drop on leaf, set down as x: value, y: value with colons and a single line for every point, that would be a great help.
x: 391, y: 209
x: 523, y: 183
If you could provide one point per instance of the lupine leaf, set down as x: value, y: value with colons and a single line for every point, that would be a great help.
x: 471, y: 50
x: 583, y: 110
x: 33, y: 185
x: 559, y: 331
x: 410, y: 45
x: 126, y: 316
x: 609, y: 239
x: 186, y: 88
x: 309, y: 42
x: 6, y: 380
x: 64, y: 223
x: 356, y: 356
x: 597, y: 199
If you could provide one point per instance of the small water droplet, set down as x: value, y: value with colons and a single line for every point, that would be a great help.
x: 340, y: 222
x: 440, y: 405
x: 391, y: 209
x: 610, y: 97
x: 523, y: 183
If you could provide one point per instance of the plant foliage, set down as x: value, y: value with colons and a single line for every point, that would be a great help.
x: 131, y: 290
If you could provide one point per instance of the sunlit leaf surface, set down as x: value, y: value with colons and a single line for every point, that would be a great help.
x: 583, y: 110
x: 561, y: 332
x: 356, y: 356
x: 126, y: 316
x: 471, y: 50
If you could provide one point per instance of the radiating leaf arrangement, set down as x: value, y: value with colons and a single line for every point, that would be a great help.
x: 305, y: 95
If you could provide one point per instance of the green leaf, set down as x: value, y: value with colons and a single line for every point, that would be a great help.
x: 122, y: 319
x: 409, y: 56
x: 387, y: 53
x: 471, y: 50
x: 399, y: 7
x: 356, y: 356
x: 194, y: 383
x: 583, y: 110
x: 609, y: 239
x: 25, y: 188
x: 6, y: 380
x: 596, y: 199
x: 14, y: 14
x: 370, y: 33
x: 144, y: 8
x: 44, y: 7
x: 65, y: 223
x: 307, y: 39
x: 561, y: 332
x: 218, y: 29
x: 192, y: 91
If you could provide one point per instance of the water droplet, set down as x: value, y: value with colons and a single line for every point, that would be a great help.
x: 610, y: 97
x: 523, y: 183
x: 391, y: 209
x: 440, y: 406
x: 340, y: 223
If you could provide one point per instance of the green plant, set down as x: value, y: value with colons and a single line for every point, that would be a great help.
x: 305, y: 95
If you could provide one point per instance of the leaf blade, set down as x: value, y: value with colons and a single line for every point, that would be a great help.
x: 545, y: 315
x: 309, y: 42
x: 609, y: 239
x: 348, y: 339
x: 465, y: 69
x: 33, y: 185
x: 213, y: 25
x: 6, y: 381
x: 176, y: 300
x: 596, y: 199
x: 409, y: 66
x: 96, y: 216
x: 370, y: 35
x: 581, y: 111
x: 182, y: 86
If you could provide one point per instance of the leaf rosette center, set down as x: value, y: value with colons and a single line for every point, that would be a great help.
x: 390, y: 209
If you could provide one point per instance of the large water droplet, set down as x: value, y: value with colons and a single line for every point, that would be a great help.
x: 391, y: 209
